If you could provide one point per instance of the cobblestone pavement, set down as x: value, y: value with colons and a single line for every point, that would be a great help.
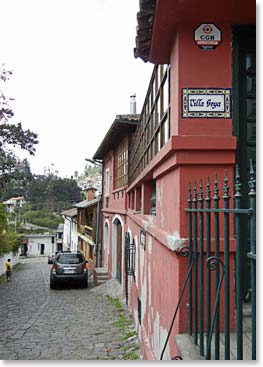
x: 64, y: 324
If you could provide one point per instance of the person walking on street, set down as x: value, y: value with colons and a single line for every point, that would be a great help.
x: 8, y: 270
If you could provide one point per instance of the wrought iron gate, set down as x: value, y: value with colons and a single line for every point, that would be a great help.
x: 205, y: 256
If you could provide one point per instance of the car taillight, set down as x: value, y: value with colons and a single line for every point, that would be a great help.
x: 54, y: 267
x: 84, y: 267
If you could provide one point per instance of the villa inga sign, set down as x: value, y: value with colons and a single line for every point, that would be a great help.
x: 206, y: 103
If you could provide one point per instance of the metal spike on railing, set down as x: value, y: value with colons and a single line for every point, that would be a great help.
x: 237, y: 183
x: 195, y: 270
x: 189, y: 193
x: 201, y: 196
x: 252, y: 180
x: 239, y: 316
x: 217, y: 254
x: 195, y: 193
x: 208, y: 275
x: 216, y: 189
x: 190, y: 295
x: 226, y: 187
x: 252, y: 255
x: 201, y: 269
x: 208, y: 191
x: 227, y: 270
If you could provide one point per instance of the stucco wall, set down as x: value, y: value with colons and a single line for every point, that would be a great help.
x: 198, y: 148
x: 34, y: 245
x: 157, y: 287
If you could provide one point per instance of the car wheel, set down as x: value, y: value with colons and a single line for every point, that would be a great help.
x: 84, y: 284
x: 52, y: 285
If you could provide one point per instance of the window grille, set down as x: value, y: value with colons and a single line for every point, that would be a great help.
x: 121, y: 164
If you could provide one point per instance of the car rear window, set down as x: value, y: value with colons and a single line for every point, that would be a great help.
x: 70, y: 258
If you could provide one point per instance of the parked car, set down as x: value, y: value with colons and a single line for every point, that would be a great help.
x: 50, y: 258
x: 69, y: 266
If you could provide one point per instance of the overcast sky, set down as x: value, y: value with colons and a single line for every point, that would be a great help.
x: 74, y: 70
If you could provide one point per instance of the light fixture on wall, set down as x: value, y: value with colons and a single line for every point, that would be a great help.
x: 131, y: 268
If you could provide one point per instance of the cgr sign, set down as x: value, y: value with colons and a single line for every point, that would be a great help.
x: 207, y: 36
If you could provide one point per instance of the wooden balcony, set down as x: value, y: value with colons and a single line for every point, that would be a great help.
x: 153, y: 130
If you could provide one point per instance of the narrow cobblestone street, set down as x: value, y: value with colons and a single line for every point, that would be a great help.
x: 64, y: 324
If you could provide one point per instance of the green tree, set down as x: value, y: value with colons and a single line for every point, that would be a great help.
x: 44, y: 218
x: 52, y: 193
x: 18, y: 186
x: 11, y: 136
x: 9, y: 240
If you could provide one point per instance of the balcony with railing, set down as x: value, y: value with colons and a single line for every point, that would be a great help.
x: 153, y: 129
x: 88, y: 231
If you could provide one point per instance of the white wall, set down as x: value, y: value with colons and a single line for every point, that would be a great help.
x: 14, y: 261
x: 70, y: 235
x: 34, y: 245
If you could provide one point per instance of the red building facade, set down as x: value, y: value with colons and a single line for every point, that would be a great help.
x: 198, y: 120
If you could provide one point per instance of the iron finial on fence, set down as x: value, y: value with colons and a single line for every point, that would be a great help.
x: 237, y: 183
x: 226, y: 187
x: 208, y: 191
x: 195, y: 193
x: 189, y: 193
x: 216, y: 189
x: 252, y: 180
x: 201, y: 196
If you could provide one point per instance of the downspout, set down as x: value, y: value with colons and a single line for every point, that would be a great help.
x: 99, y: 256
x: 98, y: 244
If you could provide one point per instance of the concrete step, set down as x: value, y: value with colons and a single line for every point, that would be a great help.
x: 190, y: 351
x: 101, y: 270
x: 100, y: 275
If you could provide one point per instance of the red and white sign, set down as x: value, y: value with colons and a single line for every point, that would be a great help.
x: 207, y: 36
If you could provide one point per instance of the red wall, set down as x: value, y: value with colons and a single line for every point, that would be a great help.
x: 199, y: 148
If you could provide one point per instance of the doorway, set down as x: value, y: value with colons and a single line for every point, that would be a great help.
x: 117, y: 235
x: 119, y: 251
x: 244, y: 124
x: 42, y: 249
x: 106, y: 244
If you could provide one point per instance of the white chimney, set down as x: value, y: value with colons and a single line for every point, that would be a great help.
x: 133, y: 104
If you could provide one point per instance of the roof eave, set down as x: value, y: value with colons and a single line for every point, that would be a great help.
x: 120, y: 126
x: 145, y: 18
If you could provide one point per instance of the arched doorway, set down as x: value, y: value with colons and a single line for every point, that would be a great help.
x: 106, y: 244
x: 117, y: 249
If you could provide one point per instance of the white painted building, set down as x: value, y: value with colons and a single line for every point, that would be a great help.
x: 59, y: 237
x: 40, y: 244
x: 12, y: 203
x: 70, y: 234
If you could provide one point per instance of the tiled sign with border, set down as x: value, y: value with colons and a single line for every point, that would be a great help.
x: 206, y: 103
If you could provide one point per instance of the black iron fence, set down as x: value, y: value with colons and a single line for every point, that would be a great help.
x: 200, y: 299
x: 210, y: 276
